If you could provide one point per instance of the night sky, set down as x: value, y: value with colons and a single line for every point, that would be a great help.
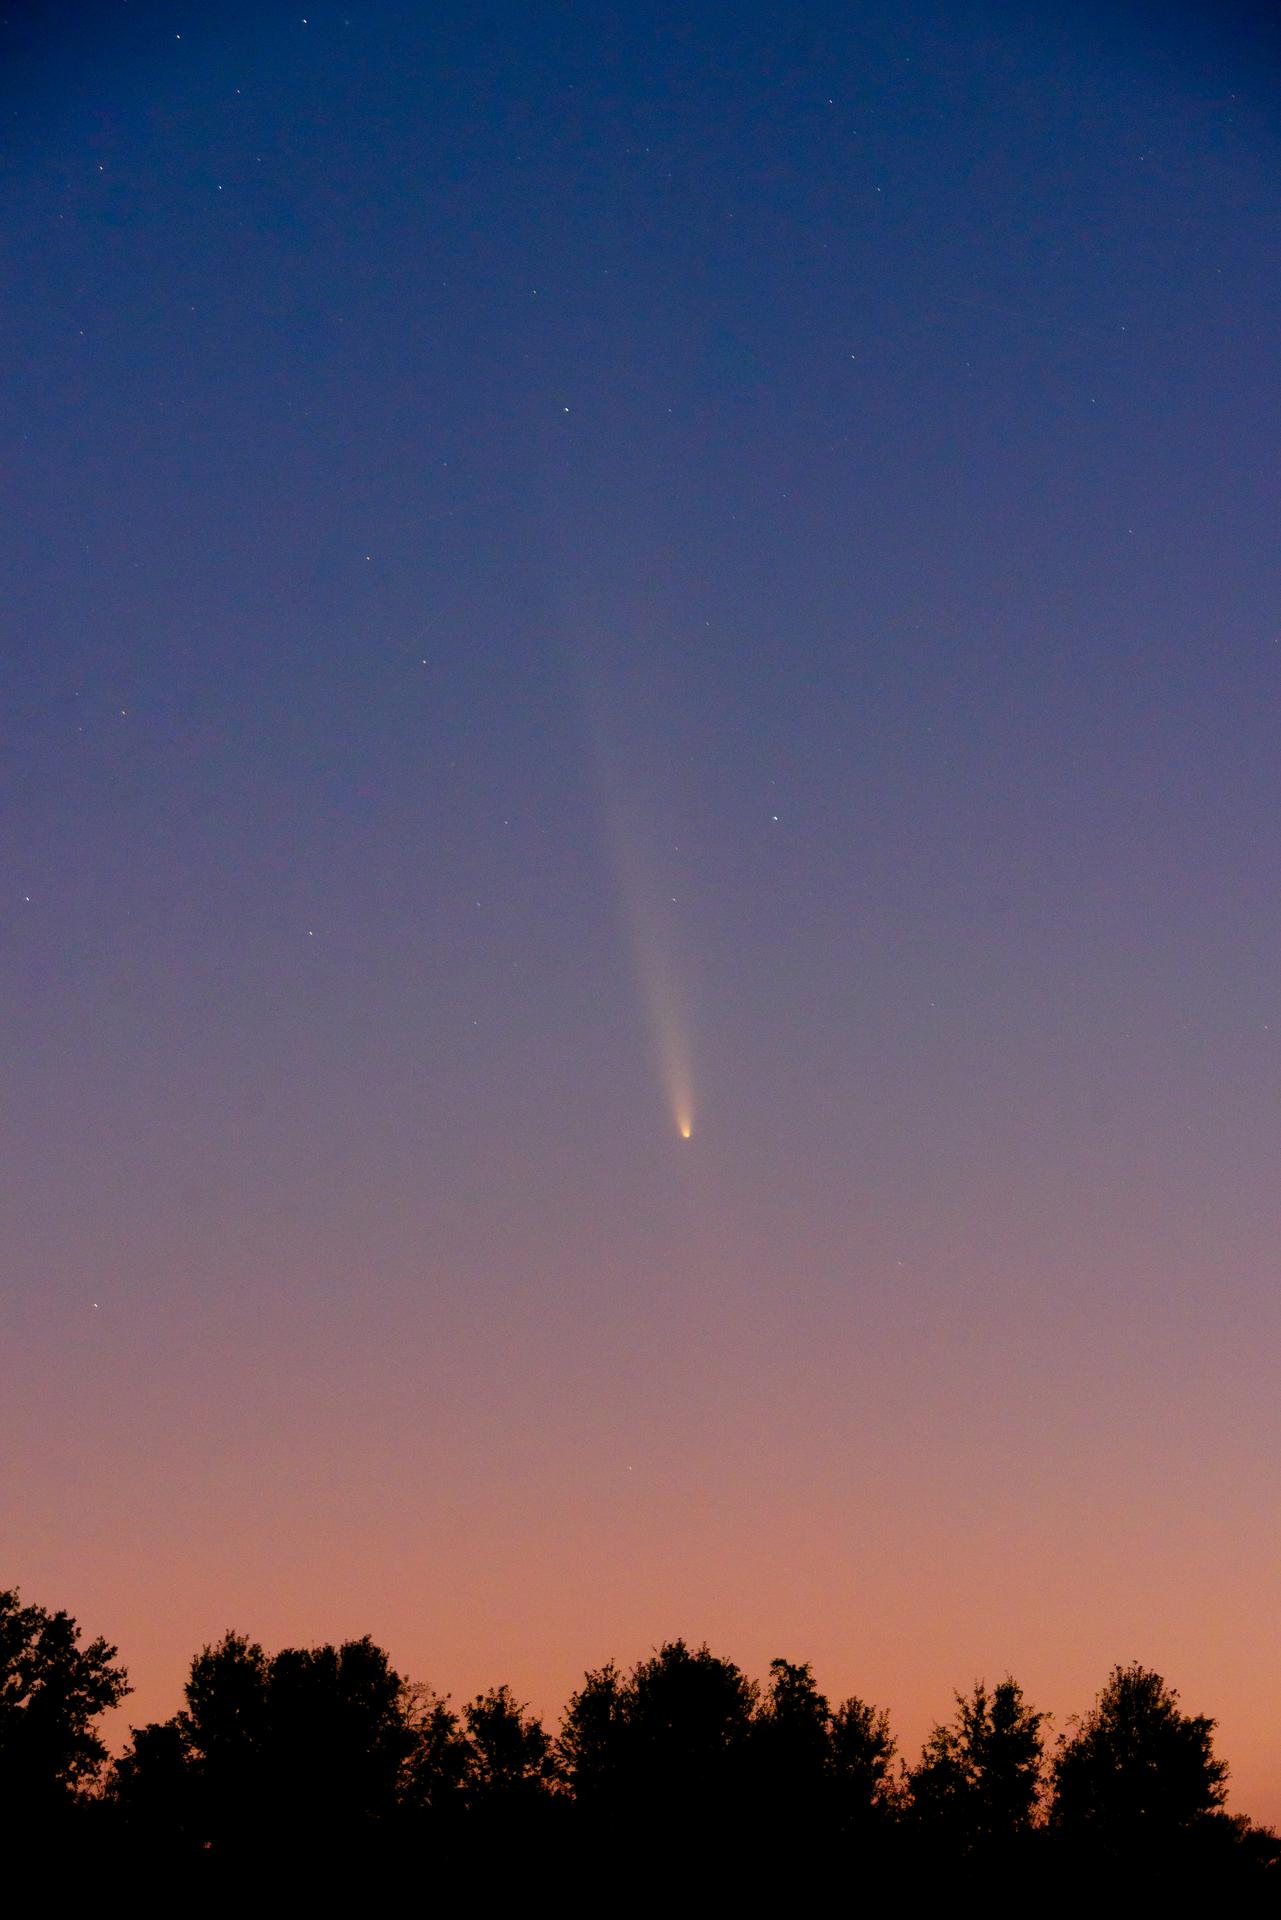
x: 576, y: 573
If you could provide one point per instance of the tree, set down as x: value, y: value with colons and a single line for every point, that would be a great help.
x: 512, y: 1766
x: 979, y: 1779
x: 1137, y: 1771
x: 665, y: 1749
x: 819, y: 1797
x: 52, y: 1690
x: 437, y: 1766
x: 305, y: 1750
x: 592, y: 1742
x: 790, y: 1753
x: 862, y: 1748
x: 224, y: 1731
x: 153, y: 1789
x: 336, y: 1741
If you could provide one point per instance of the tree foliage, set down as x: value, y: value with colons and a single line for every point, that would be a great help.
x: 1136, y: 1767
x: 512, y: 1763
x: 823, y: 1768
x: 319, y: 1759
x: 666, y: 1744
x: 52, y: 1692
x: 792, y: 1747
x: 978, y: 1781
x: 438, y: 1766
x: 865, y: 1792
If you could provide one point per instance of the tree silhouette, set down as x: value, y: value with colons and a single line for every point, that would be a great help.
x: 979, y: 1778
x: 305, y: 1751
x: 864, y: 1793
x: 815, y: 1771
x: 153, y: 1789
x: 438, y: 1763
x: 225, y: 1731
x: 791, y: 1751
x: 593, y: 1738
x: 665, y: 1747
x: 512, y: 1764
x: 52, y: 1690
x: 320, y: 1768
x: 1137, y: 1772
x: 336, y: 1742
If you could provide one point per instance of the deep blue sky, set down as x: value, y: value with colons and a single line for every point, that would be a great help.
x: 554, y: 552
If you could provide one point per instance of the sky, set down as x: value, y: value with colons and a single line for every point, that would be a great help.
x: 577, y: 574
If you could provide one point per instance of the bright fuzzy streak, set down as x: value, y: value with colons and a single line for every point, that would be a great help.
x: 652, y: 939
x: 648, y: 920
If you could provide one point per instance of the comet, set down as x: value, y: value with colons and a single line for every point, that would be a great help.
x: 653, y: 944
x: 639, y: 857
x: 650, y: 926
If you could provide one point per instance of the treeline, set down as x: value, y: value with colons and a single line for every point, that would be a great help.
x: 325, y: 1761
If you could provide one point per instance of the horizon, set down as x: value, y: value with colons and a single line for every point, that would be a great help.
x: 120, y: 1721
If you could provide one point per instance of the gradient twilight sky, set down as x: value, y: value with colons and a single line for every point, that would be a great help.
x: 578, y: 559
